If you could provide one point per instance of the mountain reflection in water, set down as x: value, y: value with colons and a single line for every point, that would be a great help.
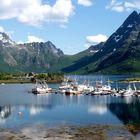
x: 128, y: 113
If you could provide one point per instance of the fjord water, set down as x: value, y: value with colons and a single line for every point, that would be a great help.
x: 57, y: 109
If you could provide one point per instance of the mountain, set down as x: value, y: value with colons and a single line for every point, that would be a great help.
x: 119, y: 54
x: 96, y: 48
x: 36, y: 57
x: 77, y: 63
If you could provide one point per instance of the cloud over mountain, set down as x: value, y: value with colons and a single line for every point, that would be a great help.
x: 96, y: 39
x: 123, y: 5
x: 32, y: 39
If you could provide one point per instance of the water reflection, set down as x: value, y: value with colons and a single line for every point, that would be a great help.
x: 128, y: 100
x: 52, y: 108
x: 5, y: 112
x: 128, y: 113
x: 100, y: 109
x: 34, y: 110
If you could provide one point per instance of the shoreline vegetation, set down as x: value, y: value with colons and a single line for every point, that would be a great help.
x: 130, y: 80
x: 30, y: 78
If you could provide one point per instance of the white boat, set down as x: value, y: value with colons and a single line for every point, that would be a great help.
x: 81, y: 87
x: 70, y: 91
x: 98, y: 88
x: 118, y: 93
x: 64, y: 85
x: 88, y: 90
x: 97, y: 92
x: 41, y: 88
x: 106, y: 89
x: 137, y: 93
x: 101, y: 89
x: 63, y: 88
x: 85, y: 88
x: 73, y: 88
x: 128, y: 92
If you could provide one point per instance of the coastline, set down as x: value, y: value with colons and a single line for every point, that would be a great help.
x: 94, y: 132
x: 24, y: 81
x: 12, y: 81
x: 54, y: 81
x: 131, y: 80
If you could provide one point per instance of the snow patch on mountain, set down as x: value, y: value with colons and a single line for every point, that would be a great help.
x: 117, y: 38
x: 130, y: 26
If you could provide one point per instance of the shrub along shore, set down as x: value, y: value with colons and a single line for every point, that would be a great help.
x: 31, y: 77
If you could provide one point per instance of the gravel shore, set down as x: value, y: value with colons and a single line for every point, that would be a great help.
x: 92, y: 132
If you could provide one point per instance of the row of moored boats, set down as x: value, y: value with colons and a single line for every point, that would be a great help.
x: 74, y: 88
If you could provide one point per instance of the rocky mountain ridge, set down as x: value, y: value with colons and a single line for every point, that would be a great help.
x: 119, y: 54
x: 28, y: 56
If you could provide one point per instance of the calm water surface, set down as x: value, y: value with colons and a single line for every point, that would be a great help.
x: 57, y: 109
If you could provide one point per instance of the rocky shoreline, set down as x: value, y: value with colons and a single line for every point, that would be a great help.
x: 90, y: 132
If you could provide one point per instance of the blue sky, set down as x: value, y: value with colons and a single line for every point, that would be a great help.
x: 72, y: 25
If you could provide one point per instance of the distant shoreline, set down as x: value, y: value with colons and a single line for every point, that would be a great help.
x: 130, y: 80
x: 14, y: 81
x: 30, y: 78
x: 23, y: 81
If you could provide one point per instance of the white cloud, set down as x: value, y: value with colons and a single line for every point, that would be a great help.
x: 85, y: 2
x: 32, y: 39
x: 129, y: 5
x: 123, y: 5
x: 34, y: 12
x: 96, y: 39
x: 118, y: 8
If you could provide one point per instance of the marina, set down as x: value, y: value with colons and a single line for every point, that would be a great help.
x: 72, y: 87
x: 20, y: 110
x: 70, y: 70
